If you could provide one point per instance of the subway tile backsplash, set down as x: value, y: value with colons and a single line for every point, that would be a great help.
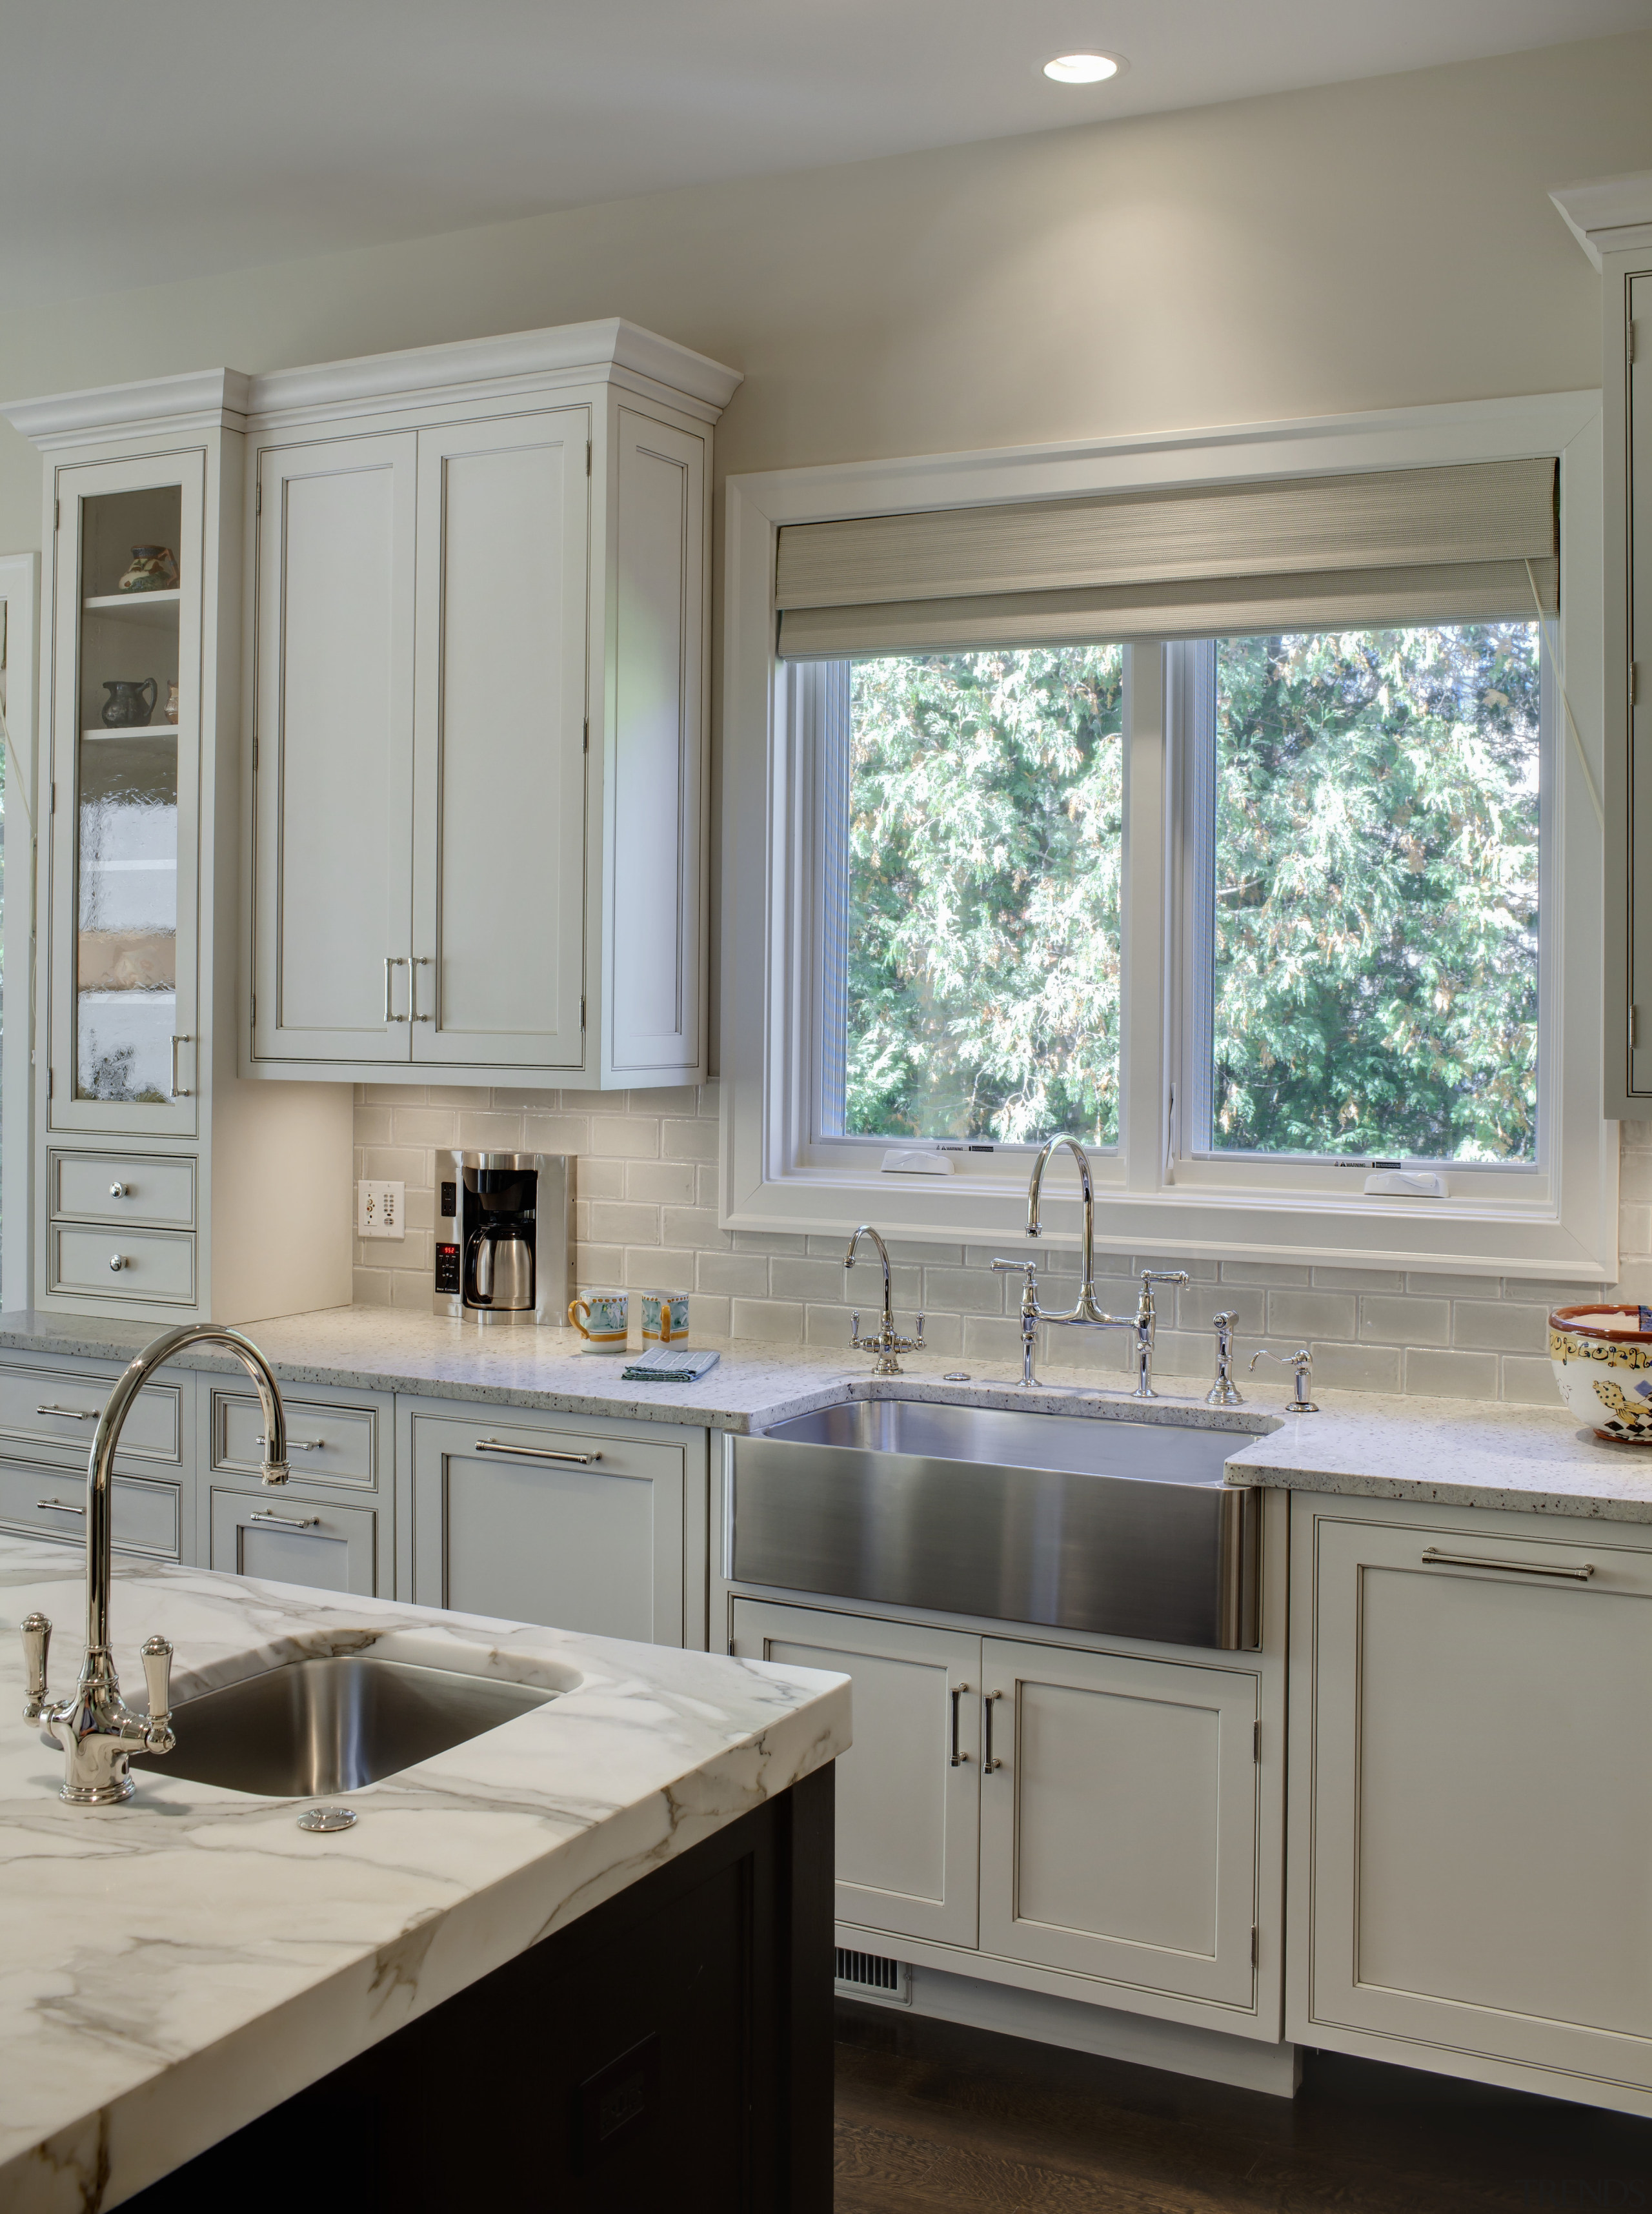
x: 647, y: 1214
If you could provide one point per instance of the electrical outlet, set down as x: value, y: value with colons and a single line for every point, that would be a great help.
x: 381, y: 1209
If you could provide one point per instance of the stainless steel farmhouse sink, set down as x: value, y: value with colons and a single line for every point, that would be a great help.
x: 332, y: 1724
x: 1078, y: 1521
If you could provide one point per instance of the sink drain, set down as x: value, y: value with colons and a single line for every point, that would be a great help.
x: 328, y: 1818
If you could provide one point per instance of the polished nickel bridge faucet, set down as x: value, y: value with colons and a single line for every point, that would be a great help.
x: 1085, y: 1313
x: 95, y: 1730
x: 885, y: 1344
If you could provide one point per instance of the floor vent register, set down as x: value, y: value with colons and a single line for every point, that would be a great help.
x: 870, y: 1976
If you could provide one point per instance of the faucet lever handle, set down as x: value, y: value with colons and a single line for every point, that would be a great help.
x: 1166, y: 1277
x: 157, y: 1677
x: 37, y: 1637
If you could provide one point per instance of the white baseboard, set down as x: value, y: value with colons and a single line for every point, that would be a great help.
x: 1184, y: 2050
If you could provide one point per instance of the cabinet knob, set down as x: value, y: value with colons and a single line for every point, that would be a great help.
x: 119, y: 1190
x: 117, y: 1261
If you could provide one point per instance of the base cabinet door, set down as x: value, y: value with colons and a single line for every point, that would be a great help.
x: 1119, y: 1807
x: 295, y: 1541
x: 1472, y: 1798
x: 908, y: 1787
x: 534, y: 1524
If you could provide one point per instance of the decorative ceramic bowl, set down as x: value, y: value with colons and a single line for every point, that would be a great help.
x: 1602, y: 1358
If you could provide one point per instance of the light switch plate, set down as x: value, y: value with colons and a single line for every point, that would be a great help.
x: 381, y: 1209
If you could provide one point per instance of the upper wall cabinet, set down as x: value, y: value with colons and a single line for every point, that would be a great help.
x: 478, y: 709
x: 1611, y: 219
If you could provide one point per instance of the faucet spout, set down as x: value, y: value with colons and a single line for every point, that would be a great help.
x: 94, y: 1728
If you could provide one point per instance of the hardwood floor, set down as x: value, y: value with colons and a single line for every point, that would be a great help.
x: 936, y: 2120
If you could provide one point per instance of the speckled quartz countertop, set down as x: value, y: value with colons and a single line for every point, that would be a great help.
x: 172, y: 1967
x: 1456, y: 1452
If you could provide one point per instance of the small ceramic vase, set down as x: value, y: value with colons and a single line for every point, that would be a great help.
x: 152, y: 569
x: 1602, y: 1360
x: 169, y: 713
x: 126, y: 708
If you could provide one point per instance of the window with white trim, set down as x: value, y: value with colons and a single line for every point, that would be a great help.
x: 1270, y: 881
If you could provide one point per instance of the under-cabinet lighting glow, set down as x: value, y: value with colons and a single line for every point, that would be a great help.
x: 1081, y: 69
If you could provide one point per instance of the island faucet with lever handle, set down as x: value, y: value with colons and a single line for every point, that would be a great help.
x: 1084, y: 1312
x: 94, y: 1728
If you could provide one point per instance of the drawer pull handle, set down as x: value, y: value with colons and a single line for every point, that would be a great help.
x: 1435, y: 1558
x: 120, y: 1191
x: 117, y: 1261
x: 70, y: 1414
x: 958, y: 1759
x: 534, y: 1452
x: 988, y: 1762
x: 287, y: 1522
x: 296, y: 1445
x: 58, y: 1507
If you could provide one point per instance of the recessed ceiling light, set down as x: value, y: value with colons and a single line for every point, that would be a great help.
x: 1081, y: 69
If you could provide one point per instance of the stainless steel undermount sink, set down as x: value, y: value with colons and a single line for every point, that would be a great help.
x: 314, y: 1727
x: 1079, y: 1521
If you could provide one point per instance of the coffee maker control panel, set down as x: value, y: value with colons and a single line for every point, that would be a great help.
x: 446, y: 1269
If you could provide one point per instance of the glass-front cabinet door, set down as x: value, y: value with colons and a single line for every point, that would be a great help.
x: 124, y: 1036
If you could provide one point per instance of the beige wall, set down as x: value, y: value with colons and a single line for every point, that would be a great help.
x: 1370, y: 245
x: 1362, y: 246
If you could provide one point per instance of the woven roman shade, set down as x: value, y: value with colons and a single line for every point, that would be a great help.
x: 1461, y: 544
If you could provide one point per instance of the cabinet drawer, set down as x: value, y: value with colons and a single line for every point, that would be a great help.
x: 45, y: 1406
x: 119, y: 1263
x: 294, y: 1541
x: 326, y: 1443
x: 51, y: 1503
x: 119, y: 1188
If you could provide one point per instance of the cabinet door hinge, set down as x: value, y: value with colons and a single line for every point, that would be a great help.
x: 56, y: 514
x: 52, y: 808
x: 1629, y: 342
x: 1256, y: 1742
x: 1255, y: 1935
x: 1634, y: 1026
x: 255, y: 1011
x: 582, y: 1010
x: 587, y: 735
x: 258, y: 497
x: 48, y: 1083
x: 255, y: 752
x: 1634, y: 683
x: 588, y: 458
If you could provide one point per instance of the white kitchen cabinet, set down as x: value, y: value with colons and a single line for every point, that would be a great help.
x: 1611, y: 219
x: 141, y: 1117
x: 1471, y: 1800
x: 294, y: 1537
x: 908, y: 1797
x: 333, y: 766
x: 1119, y: 1821
x: 478, y: 712
x: 580, y: 1524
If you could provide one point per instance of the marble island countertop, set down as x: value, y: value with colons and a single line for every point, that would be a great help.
x: 172, y: 1967
x: 1450, y: 1452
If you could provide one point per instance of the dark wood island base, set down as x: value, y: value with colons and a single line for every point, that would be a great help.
x: 673, y: 2048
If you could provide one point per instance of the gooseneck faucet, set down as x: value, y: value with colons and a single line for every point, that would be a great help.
x: 885, y: 1344
x: 1084, y: 1312
x: 96, y: 1731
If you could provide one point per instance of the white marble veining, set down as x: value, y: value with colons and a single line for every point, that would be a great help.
x: 172, y: 1967
x: 1461, y: 1453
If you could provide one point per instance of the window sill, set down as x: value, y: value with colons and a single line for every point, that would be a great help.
x: 1490, y: 1240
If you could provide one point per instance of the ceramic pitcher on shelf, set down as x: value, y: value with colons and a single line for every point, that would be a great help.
x: 126, y: 708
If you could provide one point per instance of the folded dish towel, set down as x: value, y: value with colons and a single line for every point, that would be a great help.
x: 668, y: 1364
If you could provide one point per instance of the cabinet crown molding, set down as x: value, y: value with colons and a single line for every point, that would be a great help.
x: 1608, y: 215
x: 229, y: 398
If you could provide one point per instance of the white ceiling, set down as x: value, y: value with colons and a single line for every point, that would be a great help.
x: 141, y: 140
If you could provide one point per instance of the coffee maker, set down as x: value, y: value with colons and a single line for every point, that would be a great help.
x: 504, y: 1237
